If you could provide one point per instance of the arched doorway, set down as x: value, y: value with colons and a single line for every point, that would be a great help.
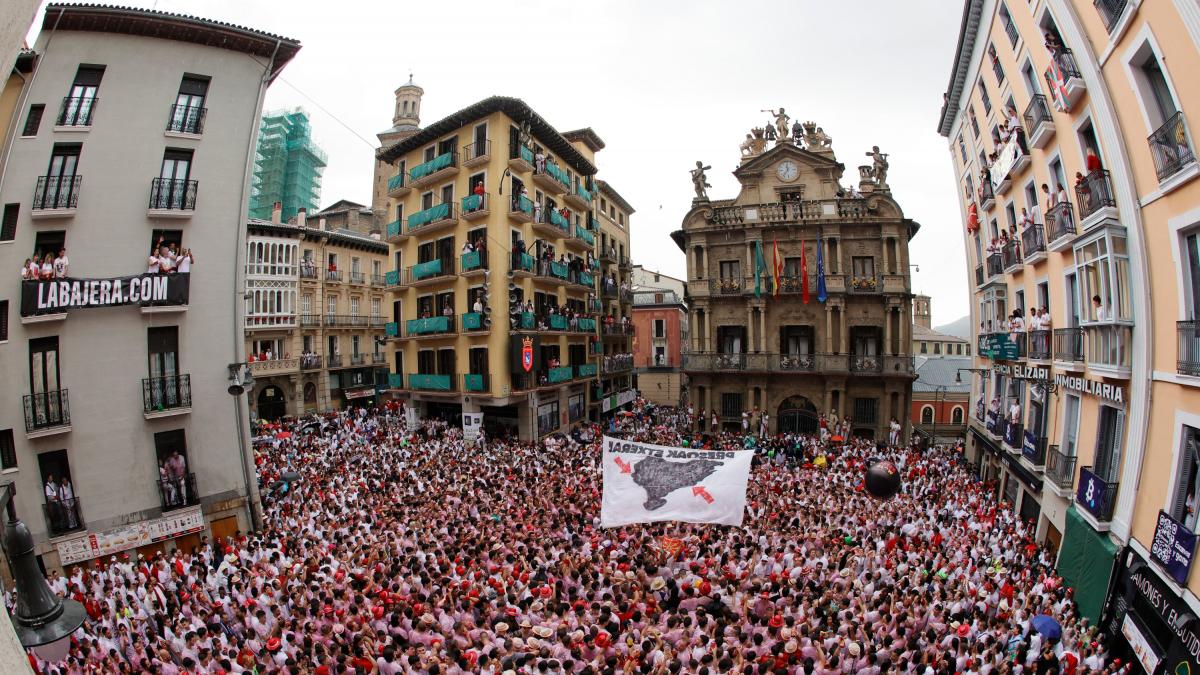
x: 797, y: 414
x: 272, y: 404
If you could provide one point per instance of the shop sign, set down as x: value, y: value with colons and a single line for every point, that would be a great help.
x: 1173, y: 547
x: 999, y: 346
x: 109, y: 542
x: 1174, y: 612
x: 1021, y: 371
x: 1110, y: 392
x: 48, y: 296
x: 1145, y: 653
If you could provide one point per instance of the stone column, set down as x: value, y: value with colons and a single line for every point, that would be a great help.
x: 750, y: 344
x: 884, y: 259
x: 887, y: 331
x: 762, y: 328
x: 828, y: 328
x: 845, y: 338
x: 709, y: 338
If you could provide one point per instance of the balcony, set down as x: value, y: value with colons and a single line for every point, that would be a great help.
x: 1187, y: 355
x: 520, y: 209
x: 476, y: 322
x: 47, y: 413
x: 986, y: 197
x: 556, y: 322
x: 1010, y: 162
x: 430, y: 382
x: 1033, y: 449
x: 310, y: 362
x: 475, y: 207
x: 308, y: 271
x: 995, y: 265
x: 1060, y: 226
x: 378, y: 358
x: 430, y: 272
x: 866, y: 363
x: 1039, y: 127
x: 274, y: 367
x: 476, y: 382
x: 552, y: 178
x: 1096, y: 495
x: 1039, y: 345
x: 397, y: 186
x: 524, y: 321
x: 553, y: 271
x: 617, y: 329
x: 395, y: 381
x: 427, y: 173
x: 1109, y: 348
x: 391, y: 278
x: 522, y: 265
x: 431, y: 326
x: 552, y: 224
x: 864, y: 284
x: 582, y: 240
x: 178, y: 491
x: 359, y: 359
x: 1064, y: 81
x: 358, y: 278
x: 56, y: 196
x: 1014, y: 436
x: 333, y: 276
x: 520, y: 158
x: 892, y: 283
x: 186, y: 120
x: 726, y: 287
x: 310, y: 320
x: 63, y: 516
x: 617, y: 363
x: 586, y: 370
x: 560, y: 374
x: 166, y: 396
x: 1110, y: 12
x: 1010, y: 255
x: 1033, y: 243
x: 1171, y: 147
x: 1010, y: 30
x: 473, y: 263
x: 76, y: 113
x: 172, y: 198
x: 432, y: 219
x: 1060, y: 469
x: 377, y: 280
x: 586, y: 279
x: 335, y: 361
x: 580, y: 198
x: 476, y: 153
x: 1095, y: 198
x: 346, y: 321
x: 394, y: 232
x: 1068, y: 346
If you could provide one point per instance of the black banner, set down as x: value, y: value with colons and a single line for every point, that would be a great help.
x: 525, y: 353
x: 52, y: 296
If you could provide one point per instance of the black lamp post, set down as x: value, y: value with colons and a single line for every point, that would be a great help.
x: 43, y: 621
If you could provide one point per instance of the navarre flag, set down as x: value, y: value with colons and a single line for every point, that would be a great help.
x: 777, y: 268
x: 821, y: 294
x: 646, y: 483
x: 803, y: 273
x: 759, y: 266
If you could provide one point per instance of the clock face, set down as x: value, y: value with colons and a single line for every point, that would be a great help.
x: 788, y: 170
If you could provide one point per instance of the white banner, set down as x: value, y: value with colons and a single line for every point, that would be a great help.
x: 645, y: 483
x: 472, y: 423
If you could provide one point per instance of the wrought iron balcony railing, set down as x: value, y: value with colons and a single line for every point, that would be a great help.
x: 1188, y: 353
x: 63, y: 516
x: 56, y: 192
x: 1060, y: 468
x: 186, y: 119
x: 161, y: 394
x: 176, y: 492
x: 76, y: 111
x: 1094, y: 193
x: 1171, y: 147
x: 46, y: 410
x: 172, y: 194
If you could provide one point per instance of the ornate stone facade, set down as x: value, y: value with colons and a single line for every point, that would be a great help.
x: 754, y: 348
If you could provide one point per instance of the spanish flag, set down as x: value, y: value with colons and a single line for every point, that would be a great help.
x: 776, y: 268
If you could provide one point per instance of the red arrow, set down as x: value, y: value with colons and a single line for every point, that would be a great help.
x: 699, y: 491
x: 625, y: 468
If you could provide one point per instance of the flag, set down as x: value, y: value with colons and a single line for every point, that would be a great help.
x: 803, y: 273
x: 646, y: 483
x: 821, y: 294
x: 759, y: 266
x: 776, y: 268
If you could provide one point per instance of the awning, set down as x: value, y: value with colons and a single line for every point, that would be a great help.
x: 358, y: 393
x: 1086, y: 564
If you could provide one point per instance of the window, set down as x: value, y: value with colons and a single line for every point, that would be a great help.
x: 956, y: 417
x: 731, y: 404
x: 8, y: 451
x: 172, y: 189
x: 62, y: 509
x: 175, y: 484
x: 375, y: 308
x: 547, y: 418
x: 8, y: 226
x: 355, y: 341
x: 927, y: 415
x: 660, y: 328
x: 1109, y: 431
x: 1161, y: 104
x: 306, y: 304
x: 187, y: 115
x: 1191, y: 247
x: 355, y: 266
x: 660, y: 355
x: 937, y: 348
x: 60, y: 187
x: 163, y: 349
x: 33, y: 120
x: 974, y: 121
x: 924, y: 347
x: 331, y: 305
x: 81, y: 101
x: 354, y: 306
x: 983, y: 96
x: 1187, y: 479
x: 865, y: 411
x: 863, y: 266
x: 731, y: 339
x: 1102, y: 265
x: 962, y: 150
x: 731, y: 269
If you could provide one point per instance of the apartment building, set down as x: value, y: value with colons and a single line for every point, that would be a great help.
x: 1070, y: 126
x: 660, y: 319
x: 315, y: 311
x: 508, y: 287
x: 799, y: 291
x: 116, y: 427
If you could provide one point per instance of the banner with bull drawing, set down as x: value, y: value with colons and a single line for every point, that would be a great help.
x: 645, y: 483
x: 53, y: 296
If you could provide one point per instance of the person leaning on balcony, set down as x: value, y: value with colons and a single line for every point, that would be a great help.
x: 1060, y: 194
x: 468, y: 247
x: 1035, y: 321
x: 1093, y: 162
x: 1017, y: 322
x: 1051, y: 199
x: 1044, y: 319
x: 47, y: 268
x: 478, y: 191
x: 28, y: 270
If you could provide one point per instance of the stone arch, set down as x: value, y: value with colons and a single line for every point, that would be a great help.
x: 927, y: 414
x: 796, y: 414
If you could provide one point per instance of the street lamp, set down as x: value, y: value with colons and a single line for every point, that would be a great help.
x: 959, y: 372
x: 241, y: 380
x: 43, y: 621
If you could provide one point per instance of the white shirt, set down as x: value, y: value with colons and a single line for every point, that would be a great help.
x: 60, y: 266
x: 153, y: 265
x: 184, y: 264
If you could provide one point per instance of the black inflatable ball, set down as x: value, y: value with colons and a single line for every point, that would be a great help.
x: 883, y: 479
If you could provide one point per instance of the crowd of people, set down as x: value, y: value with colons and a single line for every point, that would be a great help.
x: 402, y: 550
x: 46, y: 266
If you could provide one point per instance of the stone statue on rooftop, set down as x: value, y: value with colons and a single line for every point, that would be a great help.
x: 880, y: 167
x: 700, y: 181
x: 781, y: 123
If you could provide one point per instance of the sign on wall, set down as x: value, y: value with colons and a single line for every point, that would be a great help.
x: 1173, y: 547
x: 472, y: 423
x: 109, y: 542
x: 52, y: 296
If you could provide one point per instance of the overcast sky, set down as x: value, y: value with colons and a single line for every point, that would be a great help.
x: 663, y: 83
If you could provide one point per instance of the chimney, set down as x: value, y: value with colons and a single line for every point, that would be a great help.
x: 321, y: 224
x: 302, y: 217
x: 277, y: 213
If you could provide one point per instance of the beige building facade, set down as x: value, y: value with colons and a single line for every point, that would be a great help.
x: 508, y: 288
x: 1088, y: 422
x: 116, y: 426
x: 315, y: 312
x: 754, y: 350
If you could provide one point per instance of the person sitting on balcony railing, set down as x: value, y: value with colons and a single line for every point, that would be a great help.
x: 1083, y: 190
